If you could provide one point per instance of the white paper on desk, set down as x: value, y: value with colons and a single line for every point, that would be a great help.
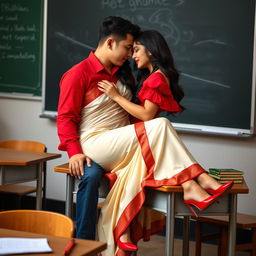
x: 11, y: 245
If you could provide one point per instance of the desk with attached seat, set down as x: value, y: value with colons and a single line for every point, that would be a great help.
x: 21, y: 166
x: 244, y: 221
x: 169, y: 200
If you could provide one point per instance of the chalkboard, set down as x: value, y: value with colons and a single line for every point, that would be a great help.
x: 212, y: 42
x: 21, y: 39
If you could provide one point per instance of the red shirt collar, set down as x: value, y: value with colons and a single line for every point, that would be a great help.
x: 98, y: 65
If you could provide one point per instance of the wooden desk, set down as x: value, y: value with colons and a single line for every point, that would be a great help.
x: 169, y: 200
x: 22, y: 166
x: 82, y: 247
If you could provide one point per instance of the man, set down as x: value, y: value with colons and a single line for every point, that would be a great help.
x: 78, y: 87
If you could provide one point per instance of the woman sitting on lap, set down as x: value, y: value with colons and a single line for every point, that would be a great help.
x: 148, y: 153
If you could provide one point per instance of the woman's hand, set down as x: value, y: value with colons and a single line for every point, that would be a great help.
x: 109, y: 88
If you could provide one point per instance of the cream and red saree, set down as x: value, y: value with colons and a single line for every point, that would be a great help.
x: 137, y: 155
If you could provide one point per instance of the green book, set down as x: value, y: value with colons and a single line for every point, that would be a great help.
x: 227, y: 175
x: 230, y: 175
x: 226, y: 178
x: 235, y: 181
x: 229, y: 171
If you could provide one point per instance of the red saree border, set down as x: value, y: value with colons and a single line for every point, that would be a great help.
x: 135, y: 205
x: 111, y: 176
x: 92, y: 94
x: 128, y: 214
x: 189, y: 173
x: 123, y: 253
x: 145, y: 148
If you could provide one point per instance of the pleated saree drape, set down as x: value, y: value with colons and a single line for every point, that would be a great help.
x: 137, y: 155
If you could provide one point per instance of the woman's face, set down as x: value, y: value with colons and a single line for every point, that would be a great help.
x: 141, y: 56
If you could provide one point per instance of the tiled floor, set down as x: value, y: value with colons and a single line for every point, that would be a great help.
x: 155, y: 247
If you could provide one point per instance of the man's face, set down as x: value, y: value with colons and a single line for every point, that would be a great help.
x: 122, y: 50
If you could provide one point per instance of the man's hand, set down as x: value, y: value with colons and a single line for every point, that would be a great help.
x: 76, y: 164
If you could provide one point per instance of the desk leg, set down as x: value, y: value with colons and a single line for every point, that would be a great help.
x: 170, y: 219
x: 39, y: 186
x: 232, y: 225
x: 44, y: 186
x: 185, y: 248
x: 69, y: 196
x: 1, y: 175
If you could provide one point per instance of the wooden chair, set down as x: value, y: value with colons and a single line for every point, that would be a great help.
x: 244, y: 221
x: 35, y: 221
x: 18, y: 189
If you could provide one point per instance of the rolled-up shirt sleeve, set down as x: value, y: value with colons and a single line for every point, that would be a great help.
x: 71, y: 101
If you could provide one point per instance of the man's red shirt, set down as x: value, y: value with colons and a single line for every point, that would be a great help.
x: 78, y: 87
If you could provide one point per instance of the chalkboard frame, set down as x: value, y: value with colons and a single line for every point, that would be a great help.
x: 182, y: 127
x: 16, y: 93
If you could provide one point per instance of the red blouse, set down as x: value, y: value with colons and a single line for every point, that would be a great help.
x: 156, y: 89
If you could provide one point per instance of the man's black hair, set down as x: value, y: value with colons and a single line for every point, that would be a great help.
x: 118, y: 27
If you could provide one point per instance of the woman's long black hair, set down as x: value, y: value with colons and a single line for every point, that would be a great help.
x: 161, y: 58
x: 124, y: 74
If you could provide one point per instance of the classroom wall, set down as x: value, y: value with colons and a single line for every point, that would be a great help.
x: 19, y: 119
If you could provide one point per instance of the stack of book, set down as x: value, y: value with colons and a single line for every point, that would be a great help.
x: 225, y: 175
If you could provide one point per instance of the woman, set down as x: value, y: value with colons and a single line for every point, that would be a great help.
x: 156, y: 156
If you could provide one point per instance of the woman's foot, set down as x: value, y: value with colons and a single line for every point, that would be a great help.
x: 196, y: 195
x: 124, y: 242
x: 126, y: 246
x: 223, y: 189
x: 207, y: 182
x: 202, y: 205
x: 193, y: 191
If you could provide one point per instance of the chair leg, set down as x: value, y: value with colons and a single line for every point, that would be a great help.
x: 198, y: 238
x: 18, y: 200
x: 2, y: 202
x: 44, y: 186
x: 253, y: 253
x: 223, y: 242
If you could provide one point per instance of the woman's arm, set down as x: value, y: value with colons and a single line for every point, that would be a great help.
x: 144, y: 113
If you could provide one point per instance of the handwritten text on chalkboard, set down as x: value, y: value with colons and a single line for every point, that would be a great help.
x: 15, y: 36
x: 20, y: 46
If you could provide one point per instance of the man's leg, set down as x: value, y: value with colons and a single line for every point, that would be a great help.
x: 86, y: 203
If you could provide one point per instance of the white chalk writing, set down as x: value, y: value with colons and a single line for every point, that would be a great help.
x: 19, y: 56
x: 16, y: 37
x: 7, y: 7
x: 133, y: 4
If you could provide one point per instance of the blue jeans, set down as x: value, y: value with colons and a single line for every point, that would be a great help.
x: 86, y: 203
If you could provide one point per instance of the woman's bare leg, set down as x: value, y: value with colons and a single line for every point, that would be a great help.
x: 125, y: 237
x: 207, y: 182
x: 193, y: 191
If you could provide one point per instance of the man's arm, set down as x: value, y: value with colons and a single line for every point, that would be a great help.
x: 68, y: 119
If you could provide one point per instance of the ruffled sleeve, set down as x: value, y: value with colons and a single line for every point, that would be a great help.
x: 156, y: 89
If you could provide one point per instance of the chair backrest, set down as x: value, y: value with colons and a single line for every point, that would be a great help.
x: 41, y: 222
x: 24, y: 145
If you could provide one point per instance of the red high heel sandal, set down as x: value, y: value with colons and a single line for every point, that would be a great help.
x: 201, y: 205
x: 126, y: 246
x: 222, y: 189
